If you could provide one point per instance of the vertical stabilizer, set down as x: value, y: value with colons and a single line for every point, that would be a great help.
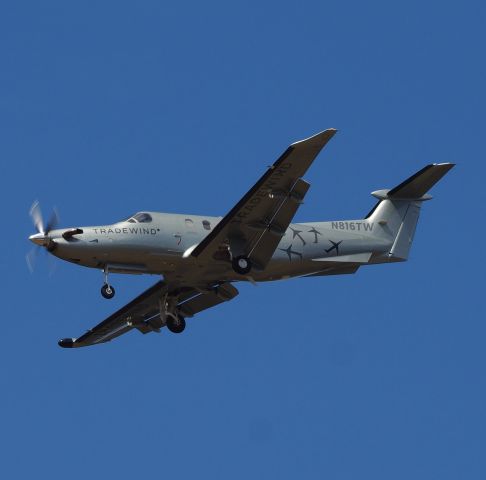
x: 398, y: 209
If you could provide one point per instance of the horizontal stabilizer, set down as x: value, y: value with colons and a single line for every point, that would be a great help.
x: 335, y: 270
x: 420, y: 183
x: 353, y: 258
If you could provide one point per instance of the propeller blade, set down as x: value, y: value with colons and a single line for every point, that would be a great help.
x: 36, y: 215
x: 53, y: 221
x: 31, y: 258
x: 52, y: 265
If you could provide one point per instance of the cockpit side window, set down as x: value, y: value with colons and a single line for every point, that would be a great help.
x: 143, y: 217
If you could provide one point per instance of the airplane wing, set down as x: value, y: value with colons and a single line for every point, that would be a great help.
x: 255, y: 225
x: 143, y: 313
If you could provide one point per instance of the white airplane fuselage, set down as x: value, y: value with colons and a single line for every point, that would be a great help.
x: 158, y: 247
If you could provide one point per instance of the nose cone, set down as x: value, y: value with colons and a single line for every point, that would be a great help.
x: 38, y: 239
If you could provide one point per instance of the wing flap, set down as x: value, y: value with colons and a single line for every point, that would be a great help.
x: 264, y: 247
x: 206, y: 300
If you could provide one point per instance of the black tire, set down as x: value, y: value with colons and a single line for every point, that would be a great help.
x: 107, y: 291
x: 176, y: 325
x: 241, y: 265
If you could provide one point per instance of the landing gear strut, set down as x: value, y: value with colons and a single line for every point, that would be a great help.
x: 107, y: 291
x: 176, y: 324
x: 241, y: 265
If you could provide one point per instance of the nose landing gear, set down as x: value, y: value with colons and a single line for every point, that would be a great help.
x: 107, y: 291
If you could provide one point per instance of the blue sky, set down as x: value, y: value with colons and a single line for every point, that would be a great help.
x: 108, y: 108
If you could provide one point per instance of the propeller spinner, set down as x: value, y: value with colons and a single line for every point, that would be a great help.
x: 41, y: 238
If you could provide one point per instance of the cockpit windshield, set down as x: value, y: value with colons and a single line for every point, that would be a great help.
x: 140, y: 217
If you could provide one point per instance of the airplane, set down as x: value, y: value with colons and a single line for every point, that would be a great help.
x: 199, y: 258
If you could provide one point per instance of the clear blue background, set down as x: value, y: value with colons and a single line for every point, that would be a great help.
x: 107, y: 108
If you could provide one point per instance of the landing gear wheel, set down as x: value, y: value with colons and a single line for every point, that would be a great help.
x: 241, y: 265
x: 177, y: 324
x: 107, y: 291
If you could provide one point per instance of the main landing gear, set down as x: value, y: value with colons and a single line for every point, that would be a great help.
x: 176, y: 324
x: 241, y: 265
x: 107, y: 291
x: 169, y: 314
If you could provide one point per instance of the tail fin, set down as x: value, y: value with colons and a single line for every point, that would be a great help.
x: 398, y: 209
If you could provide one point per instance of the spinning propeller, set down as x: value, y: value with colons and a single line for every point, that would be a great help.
x: 41, y: 238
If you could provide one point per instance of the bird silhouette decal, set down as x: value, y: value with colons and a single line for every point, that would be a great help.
x: 315, y: 232
x: 291, y: 252
x: 297, y: 233
x: 335, y: 246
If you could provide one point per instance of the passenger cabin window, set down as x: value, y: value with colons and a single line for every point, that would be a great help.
x: 206, y: 225
x: 143, y: 217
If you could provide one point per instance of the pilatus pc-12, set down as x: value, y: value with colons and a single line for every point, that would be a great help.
x: 201, y: 257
